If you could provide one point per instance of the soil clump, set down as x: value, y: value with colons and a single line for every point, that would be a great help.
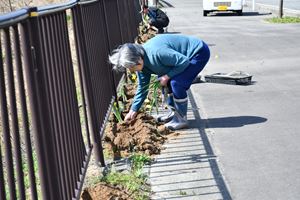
x: 143, y: 135
x: 105, y: 192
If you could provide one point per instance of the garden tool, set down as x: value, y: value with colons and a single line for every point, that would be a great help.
x: 164, y: 96
x: 179, y: 119
x: 167, y: 99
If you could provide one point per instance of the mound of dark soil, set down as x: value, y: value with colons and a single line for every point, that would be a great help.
x: 105, y: 192
x: 142, y: 134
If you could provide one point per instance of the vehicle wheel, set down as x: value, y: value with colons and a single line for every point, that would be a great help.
x: 240, y: 12
x: 205, y: 13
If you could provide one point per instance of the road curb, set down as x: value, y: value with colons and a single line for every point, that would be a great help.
x: 274, y: 9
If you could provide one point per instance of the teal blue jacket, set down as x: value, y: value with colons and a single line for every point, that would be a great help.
x: 164, y: 54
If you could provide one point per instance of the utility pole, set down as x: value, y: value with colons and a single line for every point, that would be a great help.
x: 280, y: 9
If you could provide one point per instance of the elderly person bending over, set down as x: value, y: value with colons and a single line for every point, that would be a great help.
x: 176, y: 59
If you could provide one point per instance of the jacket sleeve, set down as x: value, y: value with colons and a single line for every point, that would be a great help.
x: 177, y: 61
x: 142, y: 90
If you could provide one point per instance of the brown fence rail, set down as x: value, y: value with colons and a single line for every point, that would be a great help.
x: 51, y: 105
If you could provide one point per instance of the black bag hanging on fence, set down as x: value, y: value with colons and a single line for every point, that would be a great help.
x: 158, y: 18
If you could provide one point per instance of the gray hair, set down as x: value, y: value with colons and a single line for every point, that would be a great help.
x: 126, y: 56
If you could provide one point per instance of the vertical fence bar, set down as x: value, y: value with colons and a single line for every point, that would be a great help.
x: 77, y: 23
x: 56, y: 74
x: 73, y: 166
x: 119, y: 19
x: 94, y: 60
x: 137, y: 13
x: 53, y: 105
x: 2, y: 186
x: 77, y: 140
x: 47, y: 46
x: 2, y: 105
x: 60, y: 148
x: 14, y: 117
x: 96, y: 24
x: 105, y: 69
x: 5, y: 119
x: 84, y: 63
x: 62, y: 103
x: 86, y: 94
x: 124, y: 21
x: 113, y: 35
x: 24, y: 113
x: 110, y: 9
x: 67, y: 96
x: 40, y: 119
x: 131, y: 20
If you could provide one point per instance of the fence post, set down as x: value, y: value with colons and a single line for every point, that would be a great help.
x: 41, y: 120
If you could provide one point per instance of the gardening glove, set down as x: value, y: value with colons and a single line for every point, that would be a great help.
x: 131, y: 115
x: 164, y: 80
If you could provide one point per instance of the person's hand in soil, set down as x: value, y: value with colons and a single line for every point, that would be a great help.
x: 164, y: 80
x: 130, y: 116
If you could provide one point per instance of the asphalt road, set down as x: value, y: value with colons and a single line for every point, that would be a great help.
x: 254, y: 130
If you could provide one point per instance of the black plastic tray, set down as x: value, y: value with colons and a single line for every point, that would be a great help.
x: 234, y: 78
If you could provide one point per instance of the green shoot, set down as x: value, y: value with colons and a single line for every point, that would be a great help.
x: 117, y: 112
x: 154, y: 87
x: 121, y: 93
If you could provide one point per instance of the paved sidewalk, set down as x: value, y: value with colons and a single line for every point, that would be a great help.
x: 243, y: 142
x: 188, y: 169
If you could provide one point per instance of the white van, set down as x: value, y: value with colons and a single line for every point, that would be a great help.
x: 222, y: 5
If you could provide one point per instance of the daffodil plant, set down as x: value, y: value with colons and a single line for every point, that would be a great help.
x: 117, y: 112
x: 154, y: 86
x: 132, y: 77
x: 121, y: 92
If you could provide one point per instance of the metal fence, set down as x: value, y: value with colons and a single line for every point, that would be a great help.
x: 47, y: 116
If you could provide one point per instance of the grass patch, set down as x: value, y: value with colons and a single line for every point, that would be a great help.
x: 283, y: 20
x: 139, y: 160
x: 134, y: 181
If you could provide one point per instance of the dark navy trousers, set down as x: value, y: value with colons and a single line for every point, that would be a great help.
x: 180, y: 83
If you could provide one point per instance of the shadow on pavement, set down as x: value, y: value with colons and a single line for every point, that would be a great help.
x: 166, y: 4
x: 211, y: 158
x: 229, y: 122
x: 231, y: 14
x: 256, y: 13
